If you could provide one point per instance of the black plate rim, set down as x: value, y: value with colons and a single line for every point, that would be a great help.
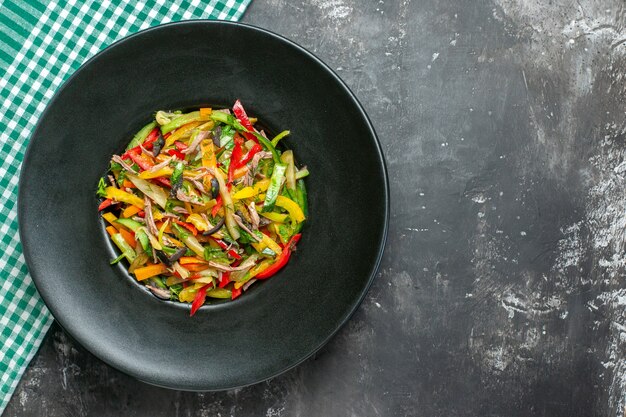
x: 353, y: 308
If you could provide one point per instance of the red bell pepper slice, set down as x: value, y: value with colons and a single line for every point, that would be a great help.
x: 225, y: 279
x: 240, y: 113
x: 180, y: 146
x: 151, y: 138
x: 198, y: 300
x: 235, y: 292
x: 235, y: 157
x: 248, y: 157
x: 177, y: 154
x: 164, y: 181
x: 217, y: 206
x: 282, y: 259
x: 145, y: 164
x: 187, y: 226
x: 148, y: 143
x: 141, y: 160
x: 106, y: 203
x: 231, y: 252
x: 141, y: 213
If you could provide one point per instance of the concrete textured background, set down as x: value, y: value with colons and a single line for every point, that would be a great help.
x: 502, y: 289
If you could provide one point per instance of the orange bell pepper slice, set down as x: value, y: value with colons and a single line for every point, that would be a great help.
x: 130, y: 211
x: 149, y: 271
x: 128, y: 237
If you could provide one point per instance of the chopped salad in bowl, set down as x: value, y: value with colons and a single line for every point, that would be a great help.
x: 203, y: 204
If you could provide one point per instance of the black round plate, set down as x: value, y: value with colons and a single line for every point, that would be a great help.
x: 276, y: 324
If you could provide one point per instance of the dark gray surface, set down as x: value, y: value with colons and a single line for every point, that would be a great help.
x: 502, y: 290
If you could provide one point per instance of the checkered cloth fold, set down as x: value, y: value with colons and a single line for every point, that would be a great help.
x: 41, y: 44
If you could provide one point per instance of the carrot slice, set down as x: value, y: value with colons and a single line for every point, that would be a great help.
x: 196, y: 267
x: 191, y: 260
x: 149, y: 271
x: 240, y: 172
x: 130, y: 211
x: 128, y: 237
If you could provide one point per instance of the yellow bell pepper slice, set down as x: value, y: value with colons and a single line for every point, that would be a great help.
x: 149, y: 271
x: 203, y: 280
x: 248, y: 192
x: 180, y: 132
x: 269, y: 242
x: 157, y: 215
x: 162, y: 230
x: 208, y: 160
x: 262, y: 185
x: 209, y: 205
x: 198, y: 222
x: 188, y: 294
x: 275, y: 217
x: 163, y: 172
x: 110, y: 217
x: 122, y: 196
x: 294, y: 210
x: 208, y: 154
x: 254, y: 272
x: 198, y: 285
x: 154, y: 242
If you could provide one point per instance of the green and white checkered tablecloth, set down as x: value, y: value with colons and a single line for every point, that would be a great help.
x: 41, y: 44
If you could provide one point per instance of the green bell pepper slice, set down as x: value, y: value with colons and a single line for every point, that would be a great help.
x: 141, y: 135
x: 274, y: 189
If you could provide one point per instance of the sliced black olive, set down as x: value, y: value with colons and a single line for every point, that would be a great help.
x: 169, y: 260
x: 215, y: 188
x: 217, y: 227
x: 164, y: 258
x: 178, y: 254
x: 176, y: 185
x: 158, y: 145
x: 217, y: 134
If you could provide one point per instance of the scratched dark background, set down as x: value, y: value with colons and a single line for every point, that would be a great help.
x: 502, y: 289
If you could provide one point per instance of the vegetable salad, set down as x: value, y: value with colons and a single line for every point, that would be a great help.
x: 202, y: 204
